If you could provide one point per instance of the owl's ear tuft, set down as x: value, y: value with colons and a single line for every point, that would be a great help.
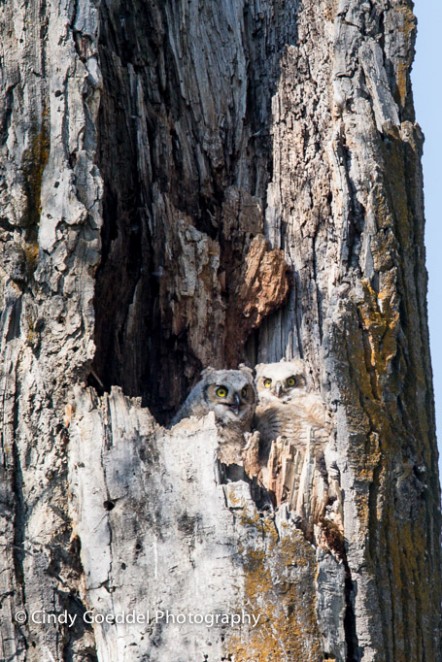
x: 259, y: 368
x: 244, y: 368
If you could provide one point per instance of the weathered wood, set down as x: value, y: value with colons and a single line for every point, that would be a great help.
x: 195, y: 183
x: 170, y: 541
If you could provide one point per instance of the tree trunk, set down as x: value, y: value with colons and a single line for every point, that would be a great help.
x: 186, y: 184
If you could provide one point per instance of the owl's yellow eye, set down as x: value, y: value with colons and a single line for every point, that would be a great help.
x: 221, y: 392
x: 267, y: 383
x: 291, y: 381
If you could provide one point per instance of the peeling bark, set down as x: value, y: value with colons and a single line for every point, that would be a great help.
x: 194, y: 184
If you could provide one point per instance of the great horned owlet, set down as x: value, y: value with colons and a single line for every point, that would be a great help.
x: 230, y: 394
x: 295, y: 428
x: 285, y: 407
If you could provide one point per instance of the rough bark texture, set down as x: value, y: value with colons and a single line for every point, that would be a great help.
x: 185, y: 184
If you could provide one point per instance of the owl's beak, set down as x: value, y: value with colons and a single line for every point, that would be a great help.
x: 278, y: 388
x: 236, y: 404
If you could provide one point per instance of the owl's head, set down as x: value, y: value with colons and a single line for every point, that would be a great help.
x: 280, y: 380
x: 230, y: 394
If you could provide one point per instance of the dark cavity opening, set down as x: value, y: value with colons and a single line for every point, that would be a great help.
x: 167, y: 177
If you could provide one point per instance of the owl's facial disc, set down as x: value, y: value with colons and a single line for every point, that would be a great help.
x: 281, y: 388
x: 233, y: 402
x: 229, y: 398
x: 275, y: 387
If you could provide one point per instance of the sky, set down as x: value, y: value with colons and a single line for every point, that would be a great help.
x: 427, y: 90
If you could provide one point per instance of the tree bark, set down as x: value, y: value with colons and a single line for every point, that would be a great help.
x: 185, y: 184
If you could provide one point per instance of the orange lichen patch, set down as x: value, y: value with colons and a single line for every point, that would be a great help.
x: 403, y: 69
x: 31, y: 252
x: 408, y: 21
x: 364, y: 460
x: 384, y: 218
x: 262, y: 526
x: 380, y: 320
x: 280, y: 591
x: 330, y: 11
x: 370, y: 432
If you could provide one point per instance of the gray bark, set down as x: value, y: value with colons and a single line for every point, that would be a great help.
x: 193, y: 184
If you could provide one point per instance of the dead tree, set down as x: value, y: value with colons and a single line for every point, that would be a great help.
x: 186, y: 184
